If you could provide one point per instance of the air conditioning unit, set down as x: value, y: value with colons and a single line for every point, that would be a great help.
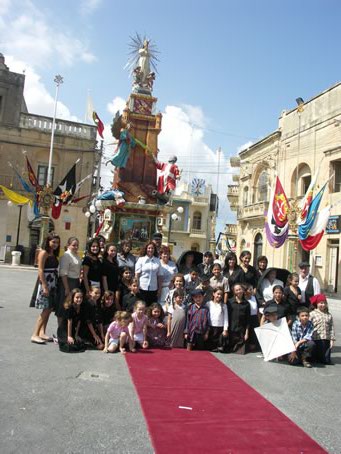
x: 161, y: 221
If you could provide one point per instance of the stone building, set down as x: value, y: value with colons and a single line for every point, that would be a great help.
x: 23, y: 132
x: 194, y: 228
x: 308, y: 138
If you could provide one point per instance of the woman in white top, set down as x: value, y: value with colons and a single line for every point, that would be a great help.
x: 169, y: 270
x: 268, y: 284
x: 148, y: 272
x: 219, y: 322
x: 69, y: 273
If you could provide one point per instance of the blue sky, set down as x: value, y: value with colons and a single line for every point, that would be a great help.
x: 227, y: 68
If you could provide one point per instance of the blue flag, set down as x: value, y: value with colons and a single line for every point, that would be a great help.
x: 25, y: 185
x: 304, y: 229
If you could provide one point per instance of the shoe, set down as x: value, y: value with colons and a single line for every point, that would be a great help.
x: 37, y: 340
x: 307, y: 364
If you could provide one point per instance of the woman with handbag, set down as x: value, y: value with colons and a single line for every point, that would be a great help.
x: 45, y: 293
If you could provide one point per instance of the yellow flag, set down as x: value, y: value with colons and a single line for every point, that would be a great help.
x: 14, y: 197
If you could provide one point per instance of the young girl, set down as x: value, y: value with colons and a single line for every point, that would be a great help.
x: 45, y: 292
x: 178, y: 283
x: 118, y: 333
x: 68, y: 331
x: 218, y: 321
x: 110, y: 270
x: 107, y: 309
x: 219, y: 281
x: 254, y: 316
x: 292, y: 293
x: 156, y: 329
x: 138, y: 327
x: 176, y: 319
x: 92, y: 329
x: 239, y: 314
x: 92, y: 266
x: 324, y: 334
x: 124, y: 284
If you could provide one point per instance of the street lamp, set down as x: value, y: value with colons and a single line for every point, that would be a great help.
x: 174, y: 217
x: 58, y: 80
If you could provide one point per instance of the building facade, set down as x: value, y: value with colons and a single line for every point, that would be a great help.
x: 22, y: 133
x: 194, y: 226
x: 308, y: 138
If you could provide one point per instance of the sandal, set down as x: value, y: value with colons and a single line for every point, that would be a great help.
x: 37, y: 340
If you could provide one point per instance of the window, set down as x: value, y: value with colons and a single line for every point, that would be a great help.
x: 197, y: 220
x: 195, y: 247
x: 336, y: 170
x: 263, y: 186
x: 42, y: 175
x: 245, y: 196
x: 258, y: 247
x: 305, y: 183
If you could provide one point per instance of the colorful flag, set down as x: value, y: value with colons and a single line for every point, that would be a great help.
x: 280, y: 205
x: 98, y: 122
x: 304, y: 229
x: 307, y: 199
x: 66, y: 188
x: 24, y: 184
x: 14, y: 197
x: 80, y: 183
x: 31, y: 175
x: 276, y: 235
x: 317, y: 230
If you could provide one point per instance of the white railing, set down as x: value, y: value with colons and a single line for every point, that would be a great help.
x: 64, y: 127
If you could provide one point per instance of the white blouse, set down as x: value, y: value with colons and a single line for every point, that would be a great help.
x: 218, y: 314
x: 70, y: 265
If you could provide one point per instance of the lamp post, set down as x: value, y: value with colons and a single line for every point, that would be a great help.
x: 46, y: 195
x: 174, y: 217
x: 58, y: 80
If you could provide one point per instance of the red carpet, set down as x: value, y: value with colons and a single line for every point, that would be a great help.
x: 227, y: 415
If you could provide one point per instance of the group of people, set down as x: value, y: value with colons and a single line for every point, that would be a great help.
x: 112, y: 300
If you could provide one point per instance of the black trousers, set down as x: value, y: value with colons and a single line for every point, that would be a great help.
x: 322, y: 351
x: 148, y: 296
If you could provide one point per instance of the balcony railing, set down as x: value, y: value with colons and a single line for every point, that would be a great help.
x: 67, y: 128
x: 254, y: 210
x: 231, y: 229
x: 233, y: 190
x: 199, y: 232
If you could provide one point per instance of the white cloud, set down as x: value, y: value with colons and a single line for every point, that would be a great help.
x: 116, y: 104
x: 30, y: 35
x: 245, y: 146
x: 38, y: 99
x: 89, y: 6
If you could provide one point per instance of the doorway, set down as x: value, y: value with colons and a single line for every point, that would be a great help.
x: 333, y: 262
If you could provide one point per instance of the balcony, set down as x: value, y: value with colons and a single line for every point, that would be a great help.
x: 252, y: 211
x: 64, y: 127
x: 198, y: 233
x: 233, y: 190
x: 235, y: 161
x: 231, y: 230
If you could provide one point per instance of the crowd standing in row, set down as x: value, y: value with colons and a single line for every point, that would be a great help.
x: 113, y: 300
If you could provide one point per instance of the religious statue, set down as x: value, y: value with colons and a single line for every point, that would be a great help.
x: 125, y: 144
x: 142, y: 59
x: 170, y: 172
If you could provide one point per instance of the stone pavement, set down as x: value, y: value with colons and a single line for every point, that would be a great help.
x: 86, y: 403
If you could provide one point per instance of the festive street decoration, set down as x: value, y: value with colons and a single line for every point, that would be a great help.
x: 302, y: 220
x: 15, y: 197
x: 99, y: 123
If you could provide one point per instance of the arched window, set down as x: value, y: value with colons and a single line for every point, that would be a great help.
x: 245, y: 196
x: 263, y: 183
x: 195, y: 247
x: 300, y: 180
x: 258, y: 247
x: 197, y: 220
x: 242, y: 245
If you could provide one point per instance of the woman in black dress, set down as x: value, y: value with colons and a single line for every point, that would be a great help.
x: 248, y: 274
x: 239, y: 316
x: 92, y: 266
x: 232, y: 271
x: 110, y: 270
x: 283, y: 308
x: 292, y: 294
